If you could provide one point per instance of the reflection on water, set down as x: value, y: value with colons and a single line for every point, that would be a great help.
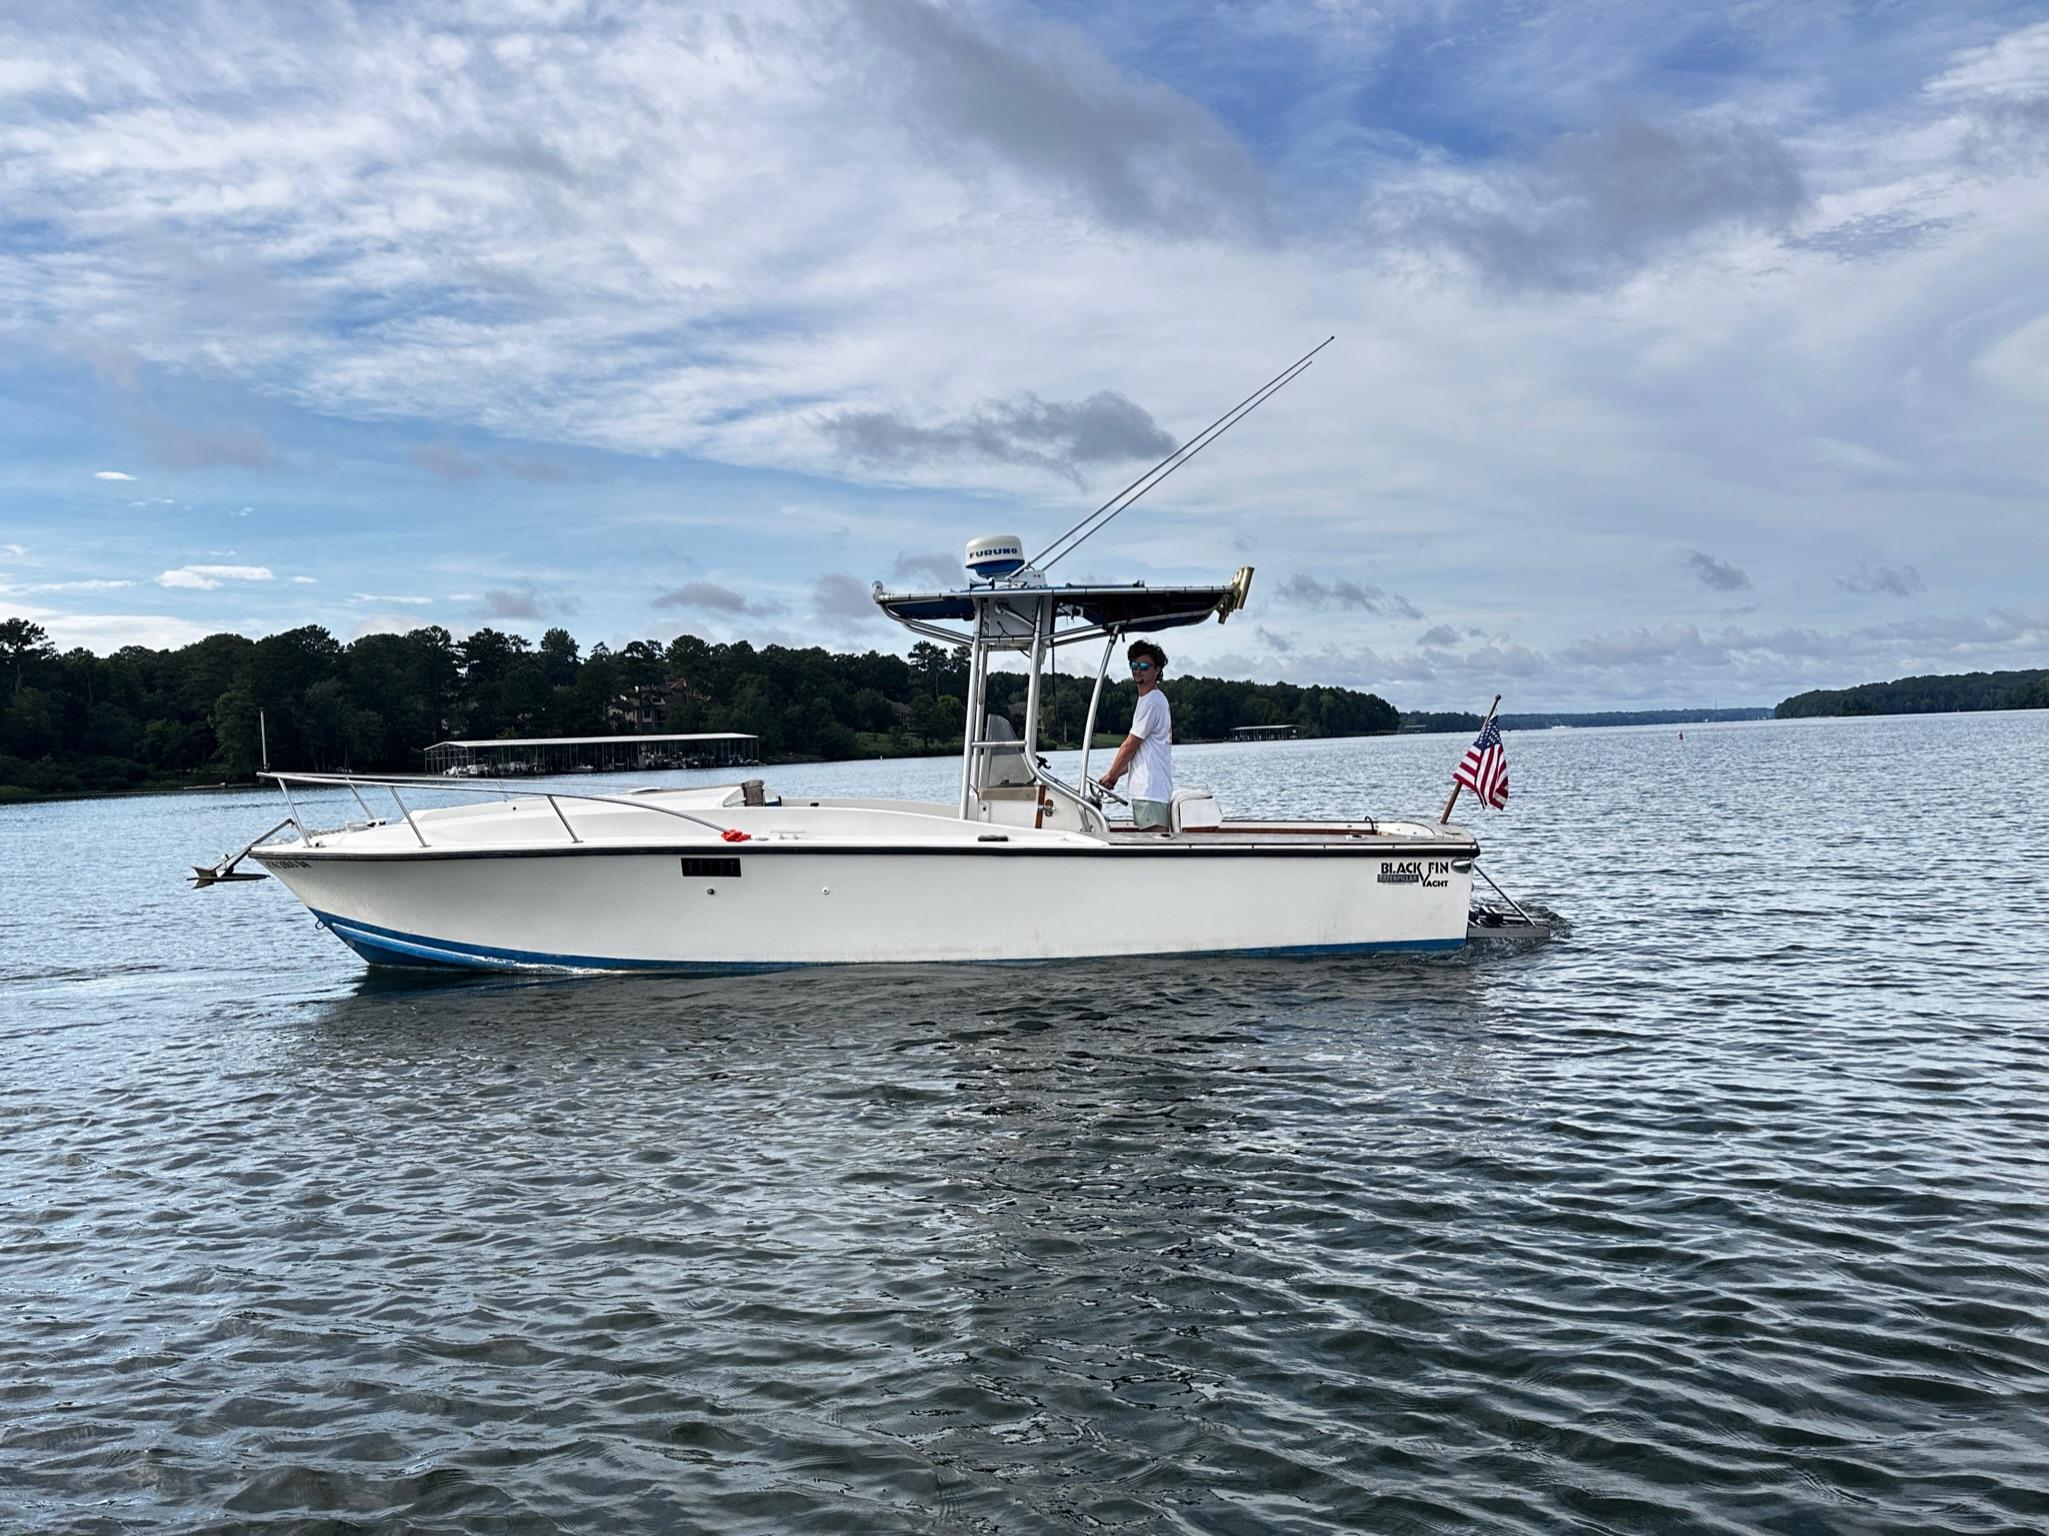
x: 1721, y: 1212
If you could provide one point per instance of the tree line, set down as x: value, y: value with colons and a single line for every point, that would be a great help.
x: 1959, y: 692
x: 74, y: 721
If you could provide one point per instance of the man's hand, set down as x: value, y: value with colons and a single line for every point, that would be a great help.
x: 1120, y: 764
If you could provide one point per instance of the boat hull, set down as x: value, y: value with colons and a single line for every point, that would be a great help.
x: 770, y: 907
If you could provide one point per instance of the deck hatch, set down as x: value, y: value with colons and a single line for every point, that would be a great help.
x: 711, y: 869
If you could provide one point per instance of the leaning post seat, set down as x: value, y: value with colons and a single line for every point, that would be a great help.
x: 1193, y: 808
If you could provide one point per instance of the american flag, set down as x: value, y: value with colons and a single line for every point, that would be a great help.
x: 1485, y: 768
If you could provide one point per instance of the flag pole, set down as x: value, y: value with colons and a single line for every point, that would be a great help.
x: 1456, y: 786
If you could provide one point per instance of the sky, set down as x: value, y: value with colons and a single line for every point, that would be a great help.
x: 1686, y: 354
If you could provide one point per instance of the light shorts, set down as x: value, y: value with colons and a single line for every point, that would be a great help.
x: 1147, y: 814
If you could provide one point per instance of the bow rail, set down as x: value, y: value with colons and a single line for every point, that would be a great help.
x: 356, y: 783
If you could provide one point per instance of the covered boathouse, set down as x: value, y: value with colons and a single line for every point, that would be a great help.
x: 1263, y: 733
x: 590, y: 754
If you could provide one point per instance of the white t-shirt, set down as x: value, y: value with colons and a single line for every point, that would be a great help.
x: 1152, y: 770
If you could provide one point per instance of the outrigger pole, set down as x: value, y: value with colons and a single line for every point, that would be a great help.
x: 1456, y: 786
x: 1097, y: 520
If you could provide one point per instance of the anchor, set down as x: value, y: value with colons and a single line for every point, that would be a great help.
x: 225, y: 871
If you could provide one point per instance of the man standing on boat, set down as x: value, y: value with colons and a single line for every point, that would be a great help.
x: 1148, y: 752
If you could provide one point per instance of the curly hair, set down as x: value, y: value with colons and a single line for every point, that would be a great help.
x: 1147, y: 648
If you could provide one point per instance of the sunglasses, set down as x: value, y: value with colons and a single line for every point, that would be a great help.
x: 1141, y: 666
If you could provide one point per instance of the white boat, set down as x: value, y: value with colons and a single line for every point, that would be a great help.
x: 1021, y: 866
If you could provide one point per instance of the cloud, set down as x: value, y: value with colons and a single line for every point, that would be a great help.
x: 1718, y: 574
x: 1504, y: 658
x: 843, y: 598
x: 533, y: 469
x: 1873, y: 236
x: 110, y: 362
x: 944, y: 569
x: 1052, y: 109
x: 1279, y: 644
x: 1440, y: 635
x: 206, y: 578
x: 105, y: 633
x: 1597, y: 206
x: 505, y: 603
x: 306, y: 581
x: 1999, y: 93
x: 522, y: 154
x: 1302, y: 591
x: 1060, y: 436
x: 179, y: 447
x: 525, y: 601
x: 1954, y: 635
x: 12, y: 551
x: 1645, y: 646
x: 1775, y: 662
x: 96, y: 584
x: 111, y: 474
x: 710, y: 597
x: 2015, y: 68
x: 1901, y: 581
x: 447, y: 462
x: 417, y: 602
x: 1857, y: 459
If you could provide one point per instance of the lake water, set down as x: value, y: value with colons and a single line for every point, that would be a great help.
x: 1722, y: 1212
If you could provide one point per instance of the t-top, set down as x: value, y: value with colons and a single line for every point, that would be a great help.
x: 1152, y: 770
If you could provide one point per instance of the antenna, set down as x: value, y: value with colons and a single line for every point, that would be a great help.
x: 1104, y: 515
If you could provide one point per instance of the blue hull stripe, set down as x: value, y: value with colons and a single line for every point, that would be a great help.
x: 390, y: 946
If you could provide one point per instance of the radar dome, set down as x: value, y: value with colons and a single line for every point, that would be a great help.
x: 994, y: 555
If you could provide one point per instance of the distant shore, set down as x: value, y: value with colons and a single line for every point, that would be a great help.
x: 1418, y: 721
x: 1954, y: 693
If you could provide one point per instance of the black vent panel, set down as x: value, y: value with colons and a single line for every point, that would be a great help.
x: 711, y: 869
